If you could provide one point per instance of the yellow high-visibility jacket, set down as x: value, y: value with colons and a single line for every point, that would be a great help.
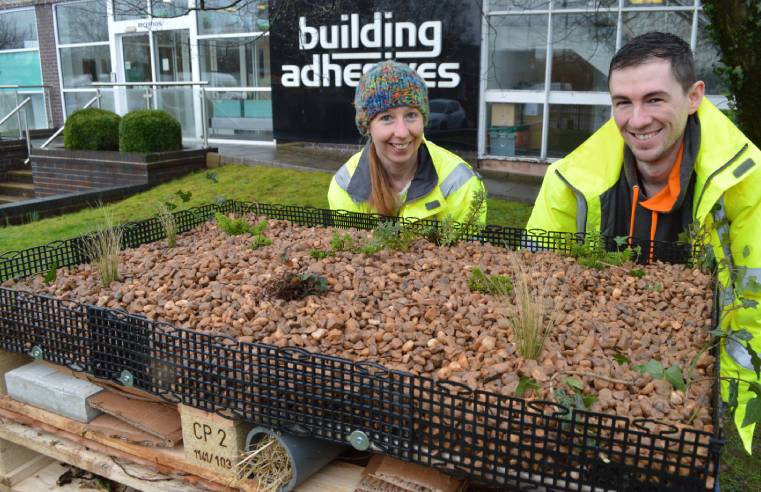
x: 443, y: 186
x: 727, y: 204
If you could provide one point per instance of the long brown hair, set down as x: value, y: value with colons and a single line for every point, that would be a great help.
x: 382, y: 196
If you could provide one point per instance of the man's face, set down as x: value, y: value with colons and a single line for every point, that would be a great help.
x: 651, y: 109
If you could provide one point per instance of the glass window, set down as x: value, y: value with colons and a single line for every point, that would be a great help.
x: 518, y: 5
x: 240, y: 115
x: 250, y: 16
x: 18, y: 30
x: 82, y: 22
x: 35, y: 111
x: 172, y: 52
x: 515, y: 129
x: 570, y: 125
x: 518, y: 49
x: 130, y: 9
x: 706, y: 59
x: 20, y: 68
x: 584, y: 4
x: 77, y: 100
x: 674, y: 22
x: 582, y: 47
x: 235, y: 62
x: 85, y: 64
x: 657, y: 3
x: 174, y: 8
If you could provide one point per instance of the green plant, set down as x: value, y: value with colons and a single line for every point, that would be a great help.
x: 447, y: 232
x: 319, y: 254
x: 341, y: 242
x: 637, y: 272
x: 592, y: 253
x: 478, y: 281
x: 52, y: 274
x: 168, y: 224
x: 530, y: 322
x: 526, y: 385
x: 232, y: 226
x: 673, y: 374
x: 293, y: 286
x: 389, y: 235
x: 102, y: 246
x: 260, y: 240
x: 149, y: 130
x: 92, y: 129
x: 576, y: 399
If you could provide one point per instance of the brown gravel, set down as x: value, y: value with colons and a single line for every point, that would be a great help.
x: 413, y: 311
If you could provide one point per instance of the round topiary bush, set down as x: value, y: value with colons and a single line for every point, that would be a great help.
x: 149, y: 130
x: 92, y: 129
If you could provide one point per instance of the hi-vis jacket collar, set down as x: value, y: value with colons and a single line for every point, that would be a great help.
x: 424, y: 182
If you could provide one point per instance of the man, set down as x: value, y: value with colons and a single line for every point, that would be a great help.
x: 669, y: 159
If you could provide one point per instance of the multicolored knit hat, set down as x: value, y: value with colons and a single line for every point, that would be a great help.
x: 389, y: 85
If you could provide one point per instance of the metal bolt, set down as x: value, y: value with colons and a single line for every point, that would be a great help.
x: 126, y: 378
x: 36, y: 352
x: 359, y: 440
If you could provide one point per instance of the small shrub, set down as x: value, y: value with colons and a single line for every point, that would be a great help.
x: 293, y: 286
x: 260, y: 240
x: 500, y: 285
x: 149, y: 130
x: 168, y: 223
x: 103, y: 246
x: 92, y: 129
x: 530, y: 322
x: 232, y: 227
x: 319, y: 254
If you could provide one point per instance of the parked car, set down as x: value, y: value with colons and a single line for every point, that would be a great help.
x: 446, y: 114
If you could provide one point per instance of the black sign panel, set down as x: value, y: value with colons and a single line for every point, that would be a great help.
x: 319, y: 50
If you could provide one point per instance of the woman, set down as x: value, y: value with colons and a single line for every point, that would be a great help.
x: 399, y: 172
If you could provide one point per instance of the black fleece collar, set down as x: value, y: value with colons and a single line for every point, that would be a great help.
x: 425, y: 180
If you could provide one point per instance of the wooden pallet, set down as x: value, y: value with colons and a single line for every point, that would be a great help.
x: 141, y: 467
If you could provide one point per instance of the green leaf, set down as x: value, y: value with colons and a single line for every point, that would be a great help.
x: 184, y: 195
x: 752, y: 412
x: 621, y: 359
x: 589, y: 400
x: 752, y: 386
x: 718, y: 332
x: 170, y: 206
x: 674, y: 376
x: 743, y: 335
x: 52, y: 273
x: 652, y: 367
x: 746, y: 251
x: 621, y: 240
x: 755, y: 360
x: 524, y: 385
x: 734, y: 390
x: 212, y: 177
x: 574, y: 383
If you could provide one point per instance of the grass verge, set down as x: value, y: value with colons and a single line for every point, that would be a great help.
x: 233, y: 182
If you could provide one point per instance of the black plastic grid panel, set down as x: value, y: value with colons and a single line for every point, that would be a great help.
x: 491, y: 438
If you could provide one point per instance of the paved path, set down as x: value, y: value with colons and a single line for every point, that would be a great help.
x: 500, y: 185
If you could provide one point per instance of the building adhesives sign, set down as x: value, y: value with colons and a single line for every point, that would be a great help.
x: 320, y: 49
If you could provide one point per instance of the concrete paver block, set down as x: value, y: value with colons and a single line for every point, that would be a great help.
x: 44, y: 387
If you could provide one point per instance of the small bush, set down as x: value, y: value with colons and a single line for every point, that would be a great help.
x: 92, y: 129
x: 149, y: 130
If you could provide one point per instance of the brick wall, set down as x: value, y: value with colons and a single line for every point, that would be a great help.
x: 49, y: 60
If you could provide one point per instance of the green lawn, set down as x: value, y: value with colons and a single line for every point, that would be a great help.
x: 234, y: 182
x: 740, y: 473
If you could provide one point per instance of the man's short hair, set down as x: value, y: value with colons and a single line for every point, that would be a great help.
x: 645, y: 47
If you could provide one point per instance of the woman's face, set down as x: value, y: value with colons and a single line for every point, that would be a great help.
x: 397, y: 135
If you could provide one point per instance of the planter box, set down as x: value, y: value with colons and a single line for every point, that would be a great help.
x: 12, y: 155
x: 58, y: 171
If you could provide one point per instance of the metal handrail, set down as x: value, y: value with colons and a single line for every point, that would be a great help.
x: 45, y: 88
x: 148, y: 95
x: 17, y: 110
x: 87, y: 105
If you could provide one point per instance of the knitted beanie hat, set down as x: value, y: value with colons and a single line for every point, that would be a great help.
x: 389, y: 85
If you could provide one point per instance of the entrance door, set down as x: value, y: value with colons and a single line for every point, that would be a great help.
x: 160, y: 56
x: 138, y: 67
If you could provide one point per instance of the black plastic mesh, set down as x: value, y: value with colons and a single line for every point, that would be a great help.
x: 491, y: 438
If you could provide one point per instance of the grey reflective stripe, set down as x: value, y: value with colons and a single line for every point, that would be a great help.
x: 456, y: 179
x: 343, y: 177
x: 738, y: 353
x: 743, y: 168
x: 581, y: 205
x: 722, y: 230
x: 751, y: 279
